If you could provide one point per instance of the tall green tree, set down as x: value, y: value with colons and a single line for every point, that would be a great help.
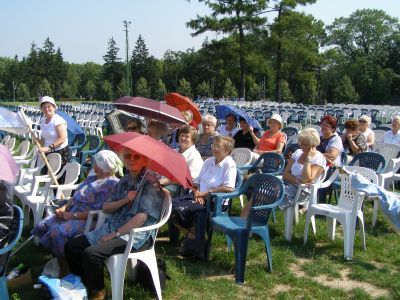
x: 234, y: 17
x: 185, y: 88
x: 204, y: 89
x: 113, y: 68
x: 23, y: 92
x: 159, y: 90
x: 141, y: 88
x: 229, y: 89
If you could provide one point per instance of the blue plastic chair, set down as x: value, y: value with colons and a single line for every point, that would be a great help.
x: 273, y: 163
x: 16, y: 231
x: 267, y: 193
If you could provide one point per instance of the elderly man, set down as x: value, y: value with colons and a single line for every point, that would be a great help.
x: 393, y: 136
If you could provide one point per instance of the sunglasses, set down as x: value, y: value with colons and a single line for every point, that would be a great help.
x: 131, y: 128
x: 130, y: 156
x: 362, y: 121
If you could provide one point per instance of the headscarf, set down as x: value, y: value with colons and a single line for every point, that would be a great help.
x: 108, y: 161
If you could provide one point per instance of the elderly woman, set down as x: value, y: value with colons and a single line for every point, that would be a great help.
x: 174, y: 139
x: 54, y: 137
x: 206, y: 138
x: 353, y: 141
x: 187, y: 138
x: 136, y: 203
x: 331, y: 145
x: 135, y: 125
x: 70, y: 220
x: 393, y: 136
x: 247, y: 136
x: 273, y: 140
x: 218, y: 175
x: 230, y: 128
x: 363, y: 125
x: 304, y: 167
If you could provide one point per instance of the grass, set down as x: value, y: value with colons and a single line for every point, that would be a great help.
x: 314, y: 271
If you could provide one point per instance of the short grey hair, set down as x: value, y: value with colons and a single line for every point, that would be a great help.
x: 396, y: 118
x: 210, y: 118
x: 309, y: 137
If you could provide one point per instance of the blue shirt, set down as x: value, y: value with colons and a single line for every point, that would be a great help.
x: 148, y: 200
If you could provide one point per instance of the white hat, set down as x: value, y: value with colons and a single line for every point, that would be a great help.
x: 276, y: 117
x: 48, y: 99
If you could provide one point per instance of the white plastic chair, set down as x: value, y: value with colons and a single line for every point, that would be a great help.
x: 117, y: 263
x: 5, y: 139
x: 379, y: 135
x: 346, y: 211
x: 292, y: 212
x: 242, y: 156
x: 22, y: 150
x: 10, y: 143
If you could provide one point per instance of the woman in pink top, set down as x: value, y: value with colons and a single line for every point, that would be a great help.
x: 272, y: 140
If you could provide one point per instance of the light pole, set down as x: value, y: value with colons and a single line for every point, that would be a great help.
x: 128, y: 65
x: 14, y: 89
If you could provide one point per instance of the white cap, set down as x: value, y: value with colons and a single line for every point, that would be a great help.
x: 276, y: 117
x: 48, y: 99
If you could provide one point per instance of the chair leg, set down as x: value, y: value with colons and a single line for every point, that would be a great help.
x: 241, y: 243
x: 117, y: 275
x: 208, y: 244
x: 151, y: 262
x: 241, y: 201
x: 3, y: 288
x: 267, y: 243
x: 349, y: 229
x: 308, y: 218
x: 375, y: 213
x: 331, y: 225
x: 273, y: 215
x: 288, y: 213
x: 362, y: 230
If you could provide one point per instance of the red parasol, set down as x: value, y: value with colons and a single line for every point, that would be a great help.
x: 163, y: 159
x: 184, y: 103
x: 150, y: 108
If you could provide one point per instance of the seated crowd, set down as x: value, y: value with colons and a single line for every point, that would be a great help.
x: 134, y: 199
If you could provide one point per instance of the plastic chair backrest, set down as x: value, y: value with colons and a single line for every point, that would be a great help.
x: 370, y: 160
x: 290, y: 131
x: 379, y: 135
x: 272, y: 163
x: 94, y: 142
x: 266, y: 190
x: 347, y: 194
x: 241, y: 156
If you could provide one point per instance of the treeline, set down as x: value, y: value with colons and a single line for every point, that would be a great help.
x: 294, y: 58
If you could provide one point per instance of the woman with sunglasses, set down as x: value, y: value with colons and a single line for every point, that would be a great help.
x: 136, y: 203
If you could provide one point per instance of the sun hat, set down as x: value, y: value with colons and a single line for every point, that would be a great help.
x: 276, y: 117
x: 47, y: 99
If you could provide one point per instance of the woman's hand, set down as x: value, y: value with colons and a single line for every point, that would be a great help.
x: 59, y: 211
x: 44, y: 149
x: 200, y: 197
x: 130, y: 197
x: 107, y: 237
x: 349, y: 137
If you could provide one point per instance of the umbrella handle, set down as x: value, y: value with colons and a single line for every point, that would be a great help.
x: 53, y: 177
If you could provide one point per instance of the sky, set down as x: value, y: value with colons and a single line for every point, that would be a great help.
x: 82, y: 28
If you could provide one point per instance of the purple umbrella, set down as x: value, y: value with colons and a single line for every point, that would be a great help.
x: 9, y: 168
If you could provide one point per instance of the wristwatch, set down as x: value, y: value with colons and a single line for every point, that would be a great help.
x: 75, y: 215
x: 117, y: 233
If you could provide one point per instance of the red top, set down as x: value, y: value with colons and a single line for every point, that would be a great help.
x: 270, y: 143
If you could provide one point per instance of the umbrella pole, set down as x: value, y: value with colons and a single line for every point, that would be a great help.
x: 53, y: 177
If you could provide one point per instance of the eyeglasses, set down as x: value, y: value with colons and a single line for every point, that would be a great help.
x: 216, y: 146
x: 362, y: 121
x: 131, y: 128
x: 130, y: 156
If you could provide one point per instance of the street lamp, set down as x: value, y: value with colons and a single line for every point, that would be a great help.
x: 128, y: 65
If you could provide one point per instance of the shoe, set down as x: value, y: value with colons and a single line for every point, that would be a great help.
x: 100, y: 295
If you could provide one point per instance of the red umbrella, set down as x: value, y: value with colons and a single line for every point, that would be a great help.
x: 150, y: 108
x: 9, y: 167
x: 184, y: 103
x: 163, y: 159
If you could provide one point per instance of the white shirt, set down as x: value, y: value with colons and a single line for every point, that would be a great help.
x: 367, y: 133
x: 212, y: 175
x: 49, y: 133
x: 222, y: 131
x: 297, y: 168
x: 390, y: 138
x: 193, y: 160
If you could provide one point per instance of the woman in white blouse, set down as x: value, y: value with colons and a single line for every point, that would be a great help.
x: 54, y: 137
x: 187, y: 139
x: 363, y: 125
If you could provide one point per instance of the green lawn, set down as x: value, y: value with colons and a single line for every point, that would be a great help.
x: 315, y: 271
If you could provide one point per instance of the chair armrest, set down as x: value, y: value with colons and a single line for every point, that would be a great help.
x: 218, y: 199
x: 64, y: 187
x: 262, y: 207
x: 101, y: 216
x: 246, y: 167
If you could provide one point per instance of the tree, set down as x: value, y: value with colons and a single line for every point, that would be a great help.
x: 160, y: 90
x: 141, y: 88
x: 23, y: 92
x: 90, y: 89
x: 345, y: 91
x: 204, y: 89
x: 140, y: 56
x: 229, y: 89
x: 235, y: 18
x: 112, y: 68
x: 255, y: 92
x: 184, y: 88
x: 45, y: 88
x: 107, y: 91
